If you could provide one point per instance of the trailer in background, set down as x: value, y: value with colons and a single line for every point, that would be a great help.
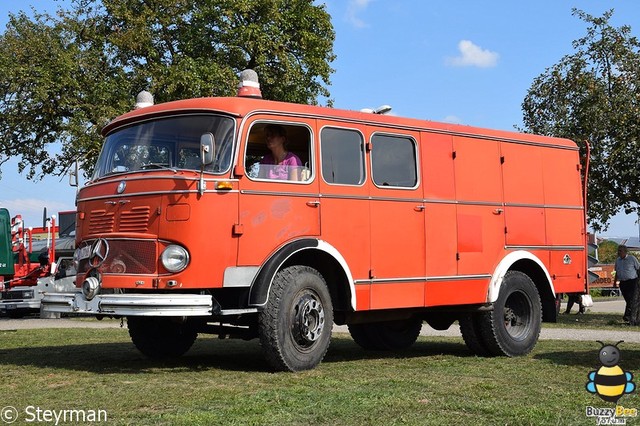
x: 33, y: 261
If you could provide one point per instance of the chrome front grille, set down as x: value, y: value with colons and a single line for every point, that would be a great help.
x: 13, y: 295
x: 125, y: 256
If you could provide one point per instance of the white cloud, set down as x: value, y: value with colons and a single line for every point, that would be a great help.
x: 472, y: 55
x: 453, y: 119
x: 354, y: 8
x: 31, y: 209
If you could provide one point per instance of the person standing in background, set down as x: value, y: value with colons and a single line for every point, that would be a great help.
x: 627, y: 273
x: 575, y: 298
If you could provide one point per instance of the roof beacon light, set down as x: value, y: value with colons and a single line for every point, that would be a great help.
x: 249, y: 86
x: 382, y: 109
x: 144, y: 99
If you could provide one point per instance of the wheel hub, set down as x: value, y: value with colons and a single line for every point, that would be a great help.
x: 517, y: 318
x: 510, y: 317
x: 309, y: 320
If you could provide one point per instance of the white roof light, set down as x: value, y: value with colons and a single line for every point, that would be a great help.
x: 249, y: 85
x: 144, y: 99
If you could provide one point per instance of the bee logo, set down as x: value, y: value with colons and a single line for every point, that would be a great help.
x: 610, y: 381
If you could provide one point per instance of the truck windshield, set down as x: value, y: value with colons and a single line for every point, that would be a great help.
x: 171, y: 143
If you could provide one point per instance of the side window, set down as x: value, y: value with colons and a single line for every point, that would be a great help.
x: 393, y: 161
x: 66, y: 268
x: 278, y: 151
x: 342, y: 156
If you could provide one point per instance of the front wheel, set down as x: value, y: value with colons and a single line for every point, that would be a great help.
x: 295, y: 324
x: 161, y: 337
x: 513, y: 327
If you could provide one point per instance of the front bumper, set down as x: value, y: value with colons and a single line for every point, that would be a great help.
x: 130, y: 304
x: 12, y: 305
x: 20, y: 298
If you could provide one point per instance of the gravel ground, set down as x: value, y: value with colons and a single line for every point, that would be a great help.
x: 546, y: 333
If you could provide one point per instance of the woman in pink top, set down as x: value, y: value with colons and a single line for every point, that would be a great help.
x: 280, y: 163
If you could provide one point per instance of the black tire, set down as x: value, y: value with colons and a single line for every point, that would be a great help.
x: 513, y: 327
x: 161, y: 337
x: 360, y: 333
x: 470, y: 326
x: 295, y: 324
x: 387, y: 335
x: 17, y: 313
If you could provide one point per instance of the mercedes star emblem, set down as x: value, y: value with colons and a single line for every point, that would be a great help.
x: 99, y: 252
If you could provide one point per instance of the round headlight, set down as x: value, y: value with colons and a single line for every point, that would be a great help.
x: 90, y: 287
x: 174, y: 258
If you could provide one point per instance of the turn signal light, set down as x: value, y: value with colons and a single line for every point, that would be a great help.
x: 226, y: 186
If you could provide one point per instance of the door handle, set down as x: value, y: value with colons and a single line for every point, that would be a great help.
x: 498, y: 211
x: 313, y: 203
x: 419, y: 208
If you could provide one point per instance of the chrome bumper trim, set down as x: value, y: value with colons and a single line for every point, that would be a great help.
x: 170, y: 305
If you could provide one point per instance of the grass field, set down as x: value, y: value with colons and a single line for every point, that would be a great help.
x: 437, y: 381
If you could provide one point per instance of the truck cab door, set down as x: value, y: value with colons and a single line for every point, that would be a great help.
x: 279, y: 207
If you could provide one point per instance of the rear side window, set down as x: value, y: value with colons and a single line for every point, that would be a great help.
x: 342, y: 156
x: 393, y: 161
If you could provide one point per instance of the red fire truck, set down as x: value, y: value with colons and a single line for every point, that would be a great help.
x: 193, y: 223
x: 34, y: 260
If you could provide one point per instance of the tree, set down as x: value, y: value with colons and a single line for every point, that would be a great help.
x: 607, y: 252
x: 593, y: 95
x: 65, y: 76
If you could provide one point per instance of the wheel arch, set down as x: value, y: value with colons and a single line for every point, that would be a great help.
x: 534, y: 268
x: 317, y: 254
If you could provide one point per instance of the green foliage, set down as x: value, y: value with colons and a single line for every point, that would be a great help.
x: 65, y: 76
x: 607, y: 252
x: 593, y: 95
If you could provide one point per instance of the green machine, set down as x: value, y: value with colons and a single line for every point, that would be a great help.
x: 6, y: 254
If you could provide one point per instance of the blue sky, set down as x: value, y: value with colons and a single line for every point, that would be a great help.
x: 468, y: 62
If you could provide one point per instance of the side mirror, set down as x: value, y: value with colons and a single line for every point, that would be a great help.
x: 73, y: 175
x: 207, y: 148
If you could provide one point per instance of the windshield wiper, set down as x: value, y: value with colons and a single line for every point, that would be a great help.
x: 157, y: 166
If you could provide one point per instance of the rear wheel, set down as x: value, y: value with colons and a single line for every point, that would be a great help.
x: 295, y: 324
x: 161, y: 337
x: 387, y: 335
x: 470, y: 326
x: 513, y: 327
